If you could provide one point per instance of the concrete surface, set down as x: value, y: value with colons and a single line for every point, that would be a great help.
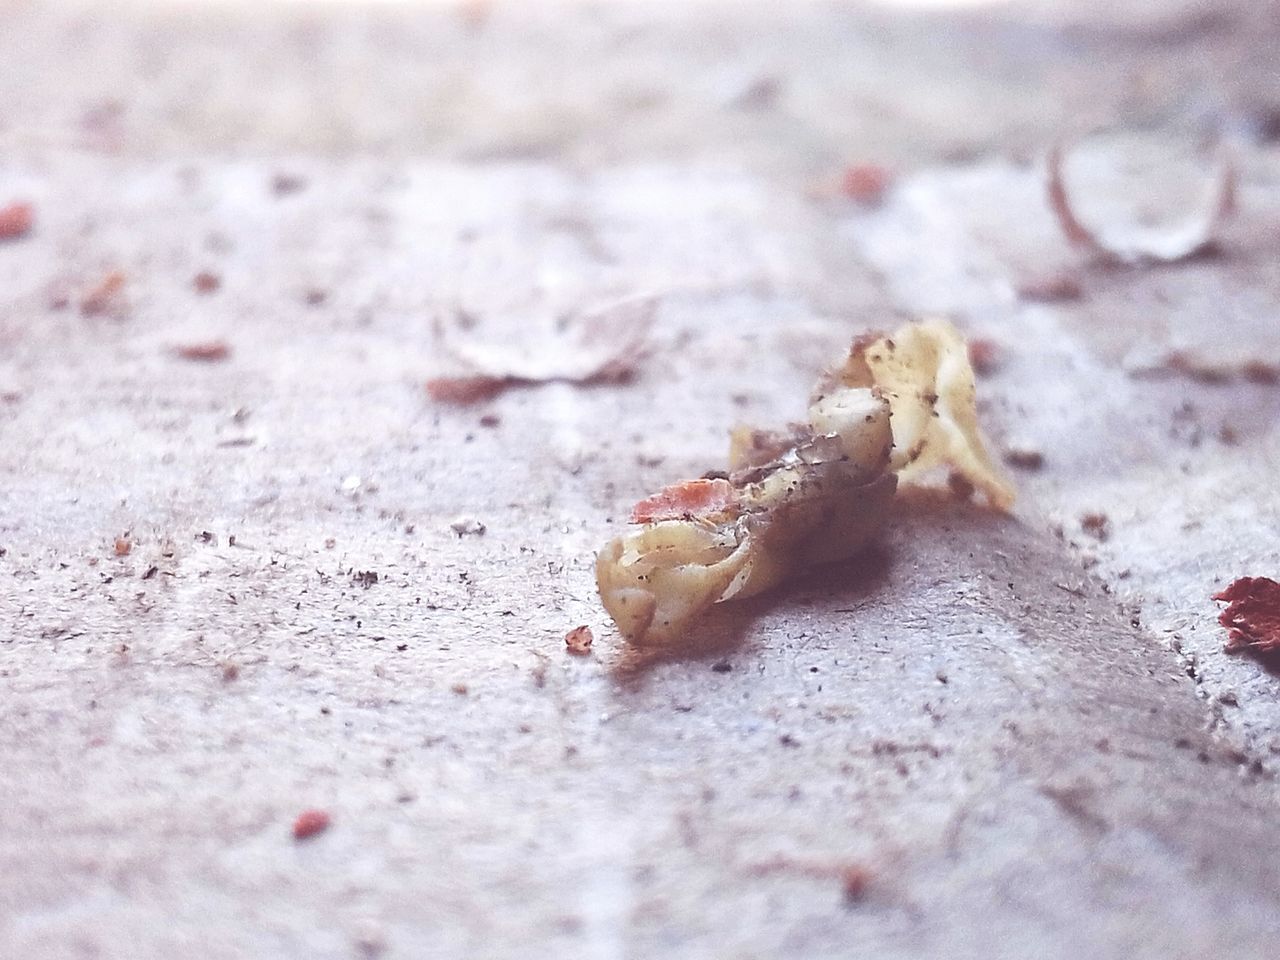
x: 991, y: 737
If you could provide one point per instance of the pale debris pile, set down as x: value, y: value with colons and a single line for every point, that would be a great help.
x: 818, y: 492
x: 588, y: 351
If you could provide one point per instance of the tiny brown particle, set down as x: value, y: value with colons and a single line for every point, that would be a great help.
x: 1051, y: 288
x: 490, y: 420
x: 984, y: 355
x: 1095, y: 524
x: 104, y: 296
x: 230, y: 672
x: 309, y: 823
x: 123, y: 546
x: 855, y: 881
x: 460, y: 689
x: 1256, y: 371
x: 211, y: 351
x: 466, y: 389
x: 960, y: 486
x: 1024, y: 459
x: 16, y: 221
x: 206, y: 282
x: 578, y: 641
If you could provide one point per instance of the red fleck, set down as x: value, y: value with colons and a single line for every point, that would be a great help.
x: 464, y: 390
x: 692, y: 498
x: 104, y: 296
x: 1252, y: 615
x: 984, y: 356
x: 579, y: 640
x: 123, y: 546
x: 206, y: 282
x: 209, y: 352
x: 16, y: 221
x: 309, y: 823
x: 865, y: 182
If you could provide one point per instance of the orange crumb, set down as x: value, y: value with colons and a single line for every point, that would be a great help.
x: 309, y: 823
x: 691, y: 498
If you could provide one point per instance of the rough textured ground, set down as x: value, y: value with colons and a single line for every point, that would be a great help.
x: 1019, y: 736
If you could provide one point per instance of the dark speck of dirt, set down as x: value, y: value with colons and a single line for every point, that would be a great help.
x: 855, y: 883
x: 723, y: 666
x: 1096, y: 525
x: 984, y: 356
x: 366, y: 578
x: 284, y: 184
x: 1265, y: 120
x: 1024, y: 458
x: 315, y: 297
